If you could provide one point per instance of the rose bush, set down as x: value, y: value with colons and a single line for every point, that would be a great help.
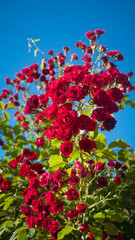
x: 58, y: 178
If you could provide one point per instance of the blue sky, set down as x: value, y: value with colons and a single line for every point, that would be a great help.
x: 63, y: 23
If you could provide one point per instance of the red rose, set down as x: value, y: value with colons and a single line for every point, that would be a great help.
x: 72, y: 194
x: 74, y: 93
x: 102, y: 182
x: 117, y: 180
x: 32, y: 156
x: 91, y: 236
x: 49, y: 197
x: 51, y: 112
x: 56, y: 207
x: 81, y: 208
x: 64, y: 134
x: 31, y: 221
x: 13, y: 164
x: 24, y: 169
x: 53, y: 226
x: 59, y: 96
x: 108, y: 124
x: 25, y: 210
x: 86, y: 58
x: 66, y: 148
x: 119, y: 236
x: 26, y: 152
x: 37, y: 205
x: 44, y: 179
x: 87, y: 145
x: 73, y: 180
x: 34, y: 182
x: 40, y: 142
x: 85, y: 123
x: 1, y: 178
x: 72, y: 213
x: 5, y: 185
x: 84, y: 227
x: 99, y: 114
x: 99, y: 166
x: 43, y: 100
x: 116, y: 94
x: 50, y: 132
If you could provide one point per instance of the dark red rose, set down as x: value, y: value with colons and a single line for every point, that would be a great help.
x: 25, y: 210
x: 56, y: 207
x: 59, y: 96
x: 40, y: 142
x: 31, y: 221
x: 64, y: 134
x: 91, y: 236
x: 53, y: 226
x: 51, y: 112
x: 117, y: 180
x: 105, y: 235
x: 111, y: 164
x: 1, y: 178
x: 84, y: 227
x: 124, y: 167
x: 73, y: 180
x: 108, y: 124
x: 85, y: 123
x: 87, y: 145
x: 116, y: 94
x: 99, y: 32
x: 72, y: 213
x: 33, y: 101
x: 43, y: 100
x: 72, y: 194
x: 33, y: 156
x: 86, y: 58
x: 81, y: 208
x: 26, y: 152
x: 66, y: 148
x: 5, y: 185
x: 78, y: 165
x: 37, y: 205
x: 50, y: 132
x: 99, y: 166
x: 99, y: 114
x: 119, y: 236
x: 44, y: 179
x: 37, y: 167
x: 24, y: 169
x: 117, y: 165
x: 13, y: 164
x: 102, y: 182
x: 34, y: 182
x: 49, y: 197
x: 75, y: 93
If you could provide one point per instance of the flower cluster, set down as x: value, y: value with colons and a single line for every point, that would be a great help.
x: 73, y: 102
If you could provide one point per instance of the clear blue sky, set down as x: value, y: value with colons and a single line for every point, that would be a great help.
x: 63, y: 23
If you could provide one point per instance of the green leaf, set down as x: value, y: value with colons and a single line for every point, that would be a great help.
x: 31, y: 232
x: 64, y: 231
x: 119, y: 143
x: 35, y: 52
x: 110, y: 154
x: 55, y: 160
x: 98, y: 234
x: 17, y: 129
x: 125, y: 98
x: 2, y: 105
x: 8, y: 202
x: 7, y: 116
x: 121, y: 105
x: 93, y: 134
x: 22, y: 235
x: 100, y: 217
x: 56, y: 143
x: 131, y: 103
x: 86, y: 112
x: 36, y: 40
x: 74, y: 155
x: 110, y: 228
x: 6, y: 224
x: 10, y: 106
x: 123, y: 155
x: 100, y: 141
